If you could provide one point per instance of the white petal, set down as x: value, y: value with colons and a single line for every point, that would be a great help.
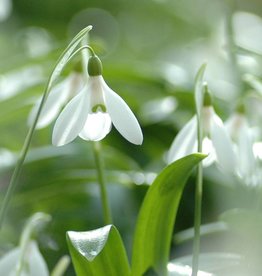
x: 54, y: 102
x: 208, y: 148
x: 97, y: 126
x: 122, y: 117
x: 34, y: 259
x: 184, y: 142
x: 72, y: 119
x: 223, y: 145
x: 246, y: 158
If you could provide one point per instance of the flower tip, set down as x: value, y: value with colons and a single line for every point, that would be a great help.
x: 137, y: 140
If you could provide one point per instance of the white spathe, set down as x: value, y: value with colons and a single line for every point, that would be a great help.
x: 84, y: 116
x: 216, y: 141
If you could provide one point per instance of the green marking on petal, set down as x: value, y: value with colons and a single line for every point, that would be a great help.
x: 240, y: 108
x: 207, y: 96
x: 99, y: 107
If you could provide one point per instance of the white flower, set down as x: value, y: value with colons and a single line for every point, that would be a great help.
x: 56, y: 99
x: 216, y: 141
x: 34, y: 262
x: 92, y: 111
x: 241, y: 134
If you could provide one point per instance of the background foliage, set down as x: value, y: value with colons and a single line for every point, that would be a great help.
x: 151, y: 51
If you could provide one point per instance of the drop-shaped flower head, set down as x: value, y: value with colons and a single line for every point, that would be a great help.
x: 92, y: 111
x: 242, y: 137
x: 216, y: 142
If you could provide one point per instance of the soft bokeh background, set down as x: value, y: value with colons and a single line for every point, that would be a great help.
x: 150, y: 51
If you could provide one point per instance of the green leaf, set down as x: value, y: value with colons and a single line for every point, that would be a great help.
x: 98, y: 252
x: 157, y: 215
x: 219, y: 264
x: 199, y: 89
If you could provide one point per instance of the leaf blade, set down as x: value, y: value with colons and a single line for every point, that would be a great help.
x: 98, y: 252
x: 156, y: 218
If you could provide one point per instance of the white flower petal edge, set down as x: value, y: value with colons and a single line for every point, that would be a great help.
x: 121, y: 115
x: 246, y: 158
x: 36, y: 263
x: 184, y: 142
x: 54, y: 102
x: 222, y: 144
x: 208, y: 148
x: 72, y: 119
x: 97, y: 126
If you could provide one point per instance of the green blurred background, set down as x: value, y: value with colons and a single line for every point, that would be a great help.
x: 150, y: 51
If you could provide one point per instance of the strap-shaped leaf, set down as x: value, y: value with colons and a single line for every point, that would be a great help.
x: 157, y: 215
x: 98, y: 252
x: 199, y: 89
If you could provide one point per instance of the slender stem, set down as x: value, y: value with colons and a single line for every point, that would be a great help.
x: 102, y: 183
x: 198, y: 202
x: 20, y: 161
x: 61, y: 62
x: 81, y: 49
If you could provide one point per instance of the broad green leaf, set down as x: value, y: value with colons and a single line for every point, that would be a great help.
x: 157, y: 215
x: 199, y: 89
x: 98, y: 252
x: 219, y: 264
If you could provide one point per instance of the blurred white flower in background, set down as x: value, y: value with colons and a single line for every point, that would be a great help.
x: 35, y: 263
x: 248, y: 31
x: 5, y: 9
x: 216, y: 140
x: 59, y: 95
x: 242, y: 137
x: 15, y: 82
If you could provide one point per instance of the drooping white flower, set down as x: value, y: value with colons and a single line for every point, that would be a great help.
x: 216, y: 141
x: 34, y: 262
x: 241, y: 134
x: 56, y: 99
x: 92, y: 111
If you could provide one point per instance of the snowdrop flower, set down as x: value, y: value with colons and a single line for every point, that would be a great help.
x: 216, y: 140
x: 241, y: 134
x: 34, y: 262
x: 56, y: 99
x: 92, y: 111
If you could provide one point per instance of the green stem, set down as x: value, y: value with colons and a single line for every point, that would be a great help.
x: 198, y: 202
x: 102, y: 183
x: 20, y: 162
x: 61, y: 62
